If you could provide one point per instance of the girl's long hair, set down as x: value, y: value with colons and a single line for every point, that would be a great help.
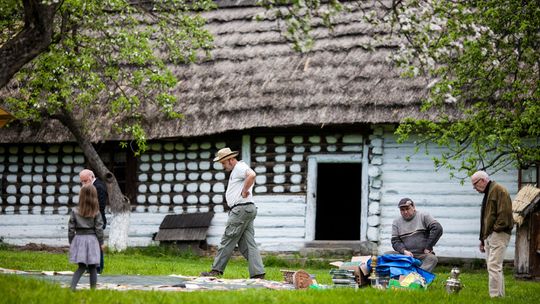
x: 88, y: 201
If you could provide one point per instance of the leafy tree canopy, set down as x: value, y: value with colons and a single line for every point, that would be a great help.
x: 106, y: 56
x: 483, y: 58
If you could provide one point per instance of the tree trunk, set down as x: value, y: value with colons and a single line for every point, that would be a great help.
x: 35, y: 37
x: 118, y: 203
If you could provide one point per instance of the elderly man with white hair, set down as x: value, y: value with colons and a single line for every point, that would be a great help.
x: 87, y: 177
x: 496, y: 224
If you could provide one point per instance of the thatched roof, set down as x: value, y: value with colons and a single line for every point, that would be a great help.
x: 524, y: 203
x: 255, y: 79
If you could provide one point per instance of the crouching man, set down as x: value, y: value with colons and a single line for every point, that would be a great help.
x: 415, y: 234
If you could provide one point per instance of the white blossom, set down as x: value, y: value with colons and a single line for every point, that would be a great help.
x: 432, y: 83
x: 435, y: 27
x: 449, y: 98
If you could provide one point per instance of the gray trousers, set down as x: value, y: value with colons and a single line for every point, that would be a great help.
x: 239, y: 230
x: 429, y: 260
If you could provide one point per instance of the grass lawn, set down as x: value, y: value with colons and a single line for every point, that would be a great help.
x: 157, y: 261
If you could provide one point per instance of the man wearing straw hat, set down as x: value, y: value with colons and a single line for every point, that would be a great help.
x: 239, y: 228
x: 496, y: 224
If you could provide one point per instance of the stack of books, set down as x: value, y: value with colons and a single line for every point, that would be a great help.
x: 343, y: 278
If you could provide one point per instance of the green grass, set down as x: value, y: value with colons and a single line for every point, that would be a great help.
x: 163, y: 261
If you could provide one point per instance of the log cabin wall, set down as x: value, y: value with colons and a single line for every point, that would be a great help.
x: 406, y: 173
x: 39, y: 178
x: 40, y: 184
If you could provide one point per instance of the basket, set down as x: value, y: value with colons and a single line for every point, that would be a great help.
x: 300, y: 278
x: 288, y: 275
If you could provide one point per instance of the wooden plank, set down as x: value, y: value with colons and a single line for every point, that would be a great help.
x: 147, y: 218
x: 279, y: 222
x: 453, y: 240
x: 32, y: 219
x: 36, y: 231
x: 263, y: 232
x: 288, y: 199
x: 269, y: 221
x: 410, y: 167
x: 142, y: 230
x: 455, y: 251
x: 281, y: 245
x: 52, y: 241
x: 284, y: 244
x: 364, y: 193
x: 269, y: 244
x: 141, y: 242
x: 394, y: 174
x: 425, y: 186
x: 429, y: 200
x: 438, y: 212
x: 311, y: 200
x: 281, y: 209
x: 448, y: 240
x: 39, y: 231
x: 461, y: 227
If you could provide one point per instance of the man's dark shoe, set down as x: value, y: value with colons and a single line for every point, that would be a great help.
x: 212, y: 273
x: 258, y: 276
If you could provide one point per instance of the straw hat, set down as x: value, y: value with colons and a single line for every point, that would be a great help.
x: 224, y: 154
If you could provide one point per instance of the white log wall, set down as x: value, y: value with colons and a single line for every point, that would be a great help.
x: 455, y: 206
x: 280, y: 225
x: 281, y: 221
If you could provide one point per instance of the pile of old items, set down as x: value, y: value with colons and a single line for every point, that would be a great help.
x: 382, y: 272
x: 401, y: 271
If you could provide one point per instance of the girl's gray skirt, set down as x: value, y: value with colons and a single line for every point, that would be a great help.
x: 84, y: 249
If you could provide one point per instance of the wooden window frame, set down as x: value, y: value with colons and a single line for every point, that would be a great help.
x: 520, y: 178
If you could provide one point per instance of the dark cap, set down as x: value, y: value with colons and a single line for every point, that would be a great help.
x: 405, y: 202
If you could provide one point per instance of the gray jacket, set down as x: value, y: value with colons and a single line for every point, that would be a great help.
x: 85, y: 225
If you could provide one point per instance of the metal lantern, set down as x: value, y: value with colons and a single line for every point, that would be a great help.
x: 374, y: 277
x: 453, y: 284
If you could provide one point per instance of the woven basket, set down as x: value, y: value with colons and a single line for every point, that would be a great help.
x: 287, y: 275
x: 301, y: 279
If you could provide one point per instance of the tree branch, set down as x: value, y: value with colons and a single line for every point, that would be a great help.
x: 34, y: 38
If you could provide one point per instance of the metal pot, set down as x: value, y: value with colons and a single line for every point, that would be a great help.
x: 453, y: 284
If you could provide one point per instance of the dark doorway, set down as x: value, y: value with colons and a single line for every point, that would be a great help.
x: 338, y: 201
x: 123, y: 164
